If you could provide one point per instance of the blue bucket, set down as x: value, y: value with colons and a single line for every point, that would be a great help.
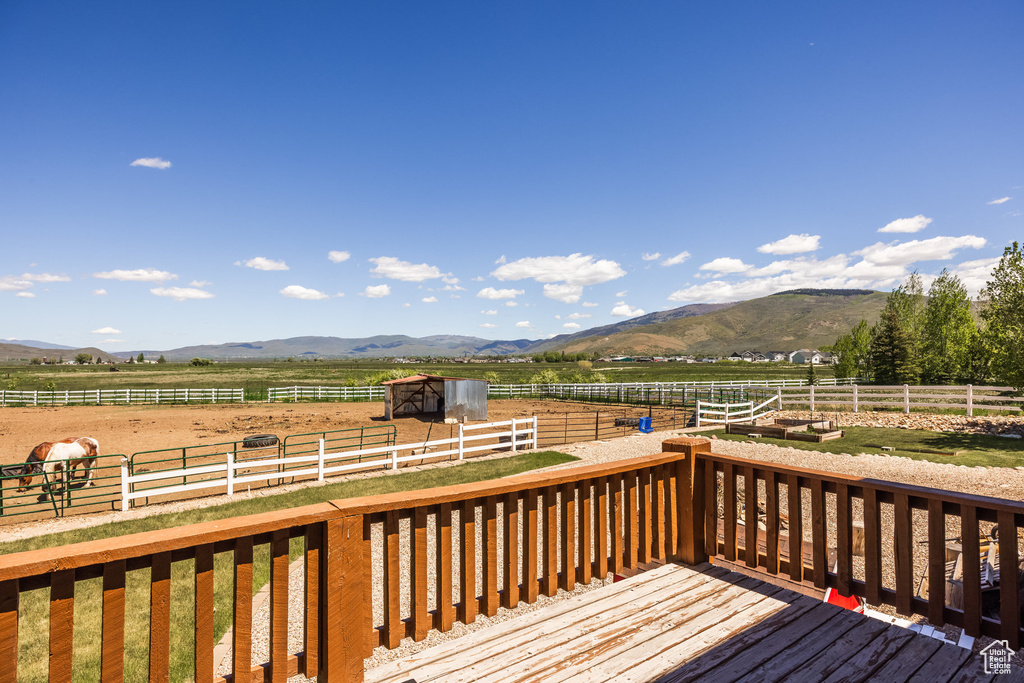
x: 645, y: 425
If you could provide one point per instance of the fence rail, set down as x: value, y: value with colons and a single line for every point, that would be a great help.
x: 731, y: 413
x: 904, y: 397
x: 120, y: 397
x: 557, y: 529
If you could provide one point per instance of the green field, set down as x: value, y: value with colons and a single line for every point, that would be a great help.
x: 261, y: 374
x: 972, y: 450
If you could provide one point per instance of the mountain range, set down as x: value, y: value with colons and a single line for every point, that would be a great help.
x: 786, y: 321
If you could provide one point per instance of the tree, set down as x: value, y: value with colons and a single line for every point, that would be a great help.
x: 1003, y: 311
x: 36, y: 361
x: 894, y: 357
x: 83, y: 358
x: 161, y: 359
x: 812, y: 376
x: 141, y: 358
x: 947, y: 331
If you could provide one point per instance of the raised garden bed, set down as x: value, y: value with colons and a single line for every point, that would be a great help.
x: 789, y: 430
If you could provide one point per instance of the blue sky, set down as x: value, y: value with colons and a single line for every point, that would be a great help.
x: 187, y: 173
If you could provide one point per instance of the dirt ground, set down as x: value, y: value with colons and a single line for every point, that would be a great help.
x: 130, y: 429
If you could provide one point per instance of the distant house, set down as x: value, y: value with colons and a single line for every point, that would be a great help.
x: 775, y: 356
x: 749, y: 357
x: 814, y: 357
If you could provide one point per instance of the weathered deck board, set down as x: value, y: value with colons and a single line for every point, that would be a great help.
x: 677, y: 623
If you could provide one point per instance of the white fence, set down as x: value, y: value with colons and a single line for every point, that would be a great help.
x: 120, y: 397
x: 511, y: 434
x: 967, y: 397
x: 612, y: 390
x: 729, y: 413
x: 296, y: 394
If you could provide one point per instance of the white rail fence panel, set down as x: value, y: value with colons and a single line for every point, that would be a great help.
x: 120, y: 397
x: 965, y: 397
x: 729, y: 413
x: 514, y: 434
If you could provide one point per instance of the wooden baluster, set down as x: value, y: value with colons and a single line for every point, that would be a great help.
x: 584, y: 568
x: 615, y: 482
x: 903, y: 540
x: 467, y: 563
x: 62, y: 623
x: 658, y: 514
x: 344, y: 641
x: 818, y: 550
x: 418, y: 589
x: 710, y: 506
x: 510, y: 595
x: 729, y: 496
x: 204, y: 602
x: 601, y: 522
x: 872, y: 548
x: 630, y: 521
x: 1009, y: 609
x: 771, y: 522
x: 796, y: 528
x: 530, y: 532
x: 671, y: 521
x: 241, y: 646
x: 394, y: 628
x: 750, y: 518
x: 567, y: 579
x: 550, y: 583
x: 936, y: 562
x: 160, y: 618
x: 112, y: 643
x: 311, y: 633
x: 445, y: 602
x: 645, y: 514
x: 972, y: 570
x: 490, y: 547
x: 844, y: 540
x: 279, y: 606
x: 9, y: 599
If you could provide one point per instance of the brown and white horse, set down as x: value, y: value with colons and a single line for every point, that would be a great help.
x: 48, y: 458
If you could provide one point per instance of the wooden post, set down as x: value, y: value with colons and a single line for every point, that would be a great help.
x: 970, y: 400
x: 125, y: 488
x: 906, y: 398
x: 690, y: 474
x: 343, y: 638
x: 855, y: 406
x: 320, y: 460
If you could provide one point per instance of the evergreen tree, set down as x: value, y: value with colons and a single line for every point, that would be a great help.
x: 141, y: 358
x: 1004, y: 314
x: 894, y: 358
x: 161, y: 359
x: 812, y: 375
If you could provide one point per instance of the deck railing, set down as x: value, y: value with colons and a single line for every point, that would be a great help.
x: 529, y: 535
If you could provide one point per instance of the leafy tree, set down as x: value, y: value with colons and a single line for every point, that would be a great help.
x: 947, y: 331
x: 1004, y: 314
x: 492, y: 378
x: 50, y: 386
x: 847, y: 365
x: 200, y: 362
x: 140, y: 359
x: 83, y: 358
x: 161, y: 359
x: 36, y: 361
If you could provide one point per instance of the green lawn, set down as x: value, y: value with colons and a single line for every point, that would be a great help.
x: 33, y: 631
x: 972, y: 449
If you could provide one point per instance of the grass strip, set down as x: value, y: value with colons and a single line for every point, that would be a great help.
x: 33, y: 641
x: 973, y: 450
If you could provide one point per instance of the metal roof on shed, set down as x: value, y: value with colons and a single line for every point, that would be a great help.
x: 422, y: 378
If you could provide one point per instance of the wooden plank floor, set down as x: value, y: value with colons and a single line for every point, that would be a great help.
x: 675, y: 624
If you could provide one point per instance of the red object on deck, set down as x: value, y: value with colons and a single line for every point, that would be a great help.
x: 852, y: 602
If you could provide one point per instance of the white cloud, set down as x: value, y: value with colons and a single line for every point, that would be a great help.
x: 137, y: 275
x: 496, y: 294
x: 650, y: 257
x: 152, y: 162
x: 26, y: 295
x: 622, y: 309
x: 904, y: 253
x: 511, y: 303
x: 106, y: 330
x: 490, y: 312
x: 338, y: 256
x: 1001, y: 200
x: 407, y: 305
x: 590, y: 304
x: 181, y: 293
x: 395, y: 269
x: 501, y: 260
x: 915, y: 224
x: 681, y: 257
x: 299, y: 292
x: 571, y: 326
x: 99, y: 292
x: 575, y: 269
x: 523, y: 323
x: 377, y: 291
x: 567, y: 294
x: 622, y: 293
x: 726, y: 265
x: 429, y: 299
x: 793, y: 244
x: 262, y: 263
x: 10, y: 283
x: 200, y: 283
x: 489, y: 326
x: 46, y: 277
x: 975, y: 274
x: 579, y: 316
x: 112, y: 341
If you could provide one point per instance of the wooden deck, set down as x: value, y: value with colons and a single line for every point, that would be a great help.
x: 677, y: 623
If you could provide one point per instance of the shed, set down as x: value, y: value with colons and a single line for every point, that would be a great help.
x: 453, y: 397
